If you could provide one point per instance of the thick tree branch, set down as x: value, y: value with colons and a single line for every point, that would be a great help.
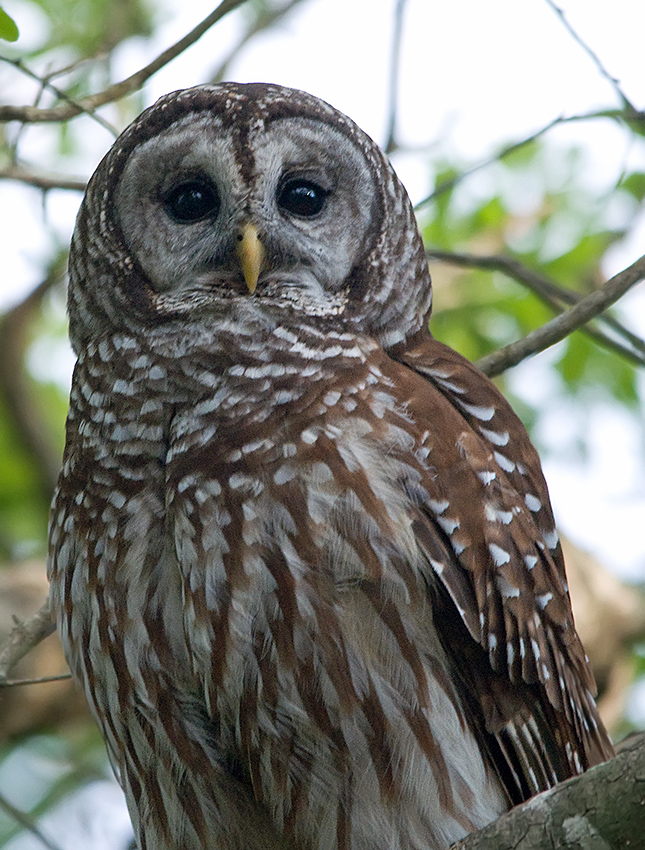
x: 604, y: 809
x: 24, y: 636
x: 42, y: 181
x: 560, y: 327
x: 33, y: 114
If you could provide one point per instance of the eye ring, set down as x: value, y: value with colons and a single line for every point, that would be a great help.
x: 192, y: 201
x: 302, y: 197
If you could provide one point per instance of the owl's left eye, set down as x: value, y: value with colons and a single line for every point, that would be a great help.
x: 302, y: 197
x: 192, y: 201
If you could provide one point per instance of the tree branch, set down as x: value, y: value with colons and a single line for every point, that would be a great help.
x: 33, y: 114
x: 594, y: 58
x: 24, y: 636
x: 46, y: 84
x: 42, y: 181
x: 600, y: 810
x: 637, y: 118
x: 393, y: 82
x: 26, y: 822
x: 629, y: 345
x: 557, y: 329
x: 266, y: 17
x: 39, y: 680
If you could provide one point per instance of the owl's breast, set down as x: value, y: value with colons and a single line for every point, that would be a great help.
x: 291, y: 507
x: 305, y: 604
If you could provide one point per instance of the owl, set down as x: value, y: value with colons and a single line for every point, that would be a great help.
x: 302, y: 555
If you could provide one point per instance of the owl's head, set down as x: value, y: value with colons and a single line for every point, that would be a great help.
x: 253, y: 201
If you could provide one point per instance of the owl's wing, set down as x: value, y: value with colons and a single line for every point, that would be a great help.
x: 489, y: 536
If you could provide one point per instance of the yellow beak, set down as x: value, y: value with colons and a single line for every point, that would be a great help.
x: 250, y: 252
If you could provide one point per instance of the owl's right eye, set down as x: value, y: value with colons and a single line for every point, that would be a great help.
x: 192, y: 201
x: 302, y: 197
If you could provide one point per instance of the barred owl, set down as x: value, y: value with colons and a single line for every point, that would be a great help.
x: 302, y: 555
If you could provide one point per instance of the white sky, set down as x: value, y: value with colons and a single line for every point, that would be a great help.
x: 474, y: 76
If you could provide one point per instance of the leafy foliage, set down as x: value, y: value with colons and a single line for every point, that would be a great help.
x: 8, y: 27
x: 563, y: 232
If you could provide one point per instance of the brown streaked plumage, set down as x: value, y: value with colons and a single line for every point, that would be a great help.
x: 302, y: 554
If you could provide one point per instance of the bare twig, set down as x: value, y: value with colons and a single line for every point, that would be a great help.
x: 24, y: 636
x: 448, y: 185
x: 46, y: 84
x: 560, y: 327
x: 26, y: 822
x: 13, y: 683
x: 621, y: 339
x: 265, y: 18
x: 395, y: 67
x: 42, y: 181
x: 615, y: 83
x: 32, y: 114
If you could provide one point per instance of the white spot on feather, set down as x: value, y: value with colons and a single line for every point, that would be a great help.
x: 506, y: 588
x: 284, y: 474
x: 506, y: 464
x: 239, y: 480
x: 285, y: 396
x: 254, y: 445
x: 438, y: 506
x: 494, y: 514
x: 437, y: 566
x: 486, y: 476
x: 157, y: 373
x: 497, y: 438
x: 532, y: 502
x: 543, y: 600
x: 448, y: 524
x: 123, y: 387
x: 551, y: 539
x: 117, y: 499
x: 480, y: 412
x: 331, y: 398
x: 321, y: 472
x: 500, y: 556
x: 309, y: 436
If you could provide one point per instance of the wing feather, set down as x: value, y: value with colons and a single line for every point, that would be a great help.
x: 488, y: 533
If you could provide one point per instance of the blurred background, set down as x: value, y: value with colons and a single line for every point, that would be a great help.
x: 517, y: 129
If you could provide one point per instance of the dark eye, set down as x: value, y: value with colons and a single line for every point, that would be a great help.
x: 302, y: 197
x: 192, y: 201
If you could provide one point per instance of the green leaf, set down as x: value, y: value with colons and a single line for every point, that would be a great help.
x: 634, y: 184
x: 8, y: 28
